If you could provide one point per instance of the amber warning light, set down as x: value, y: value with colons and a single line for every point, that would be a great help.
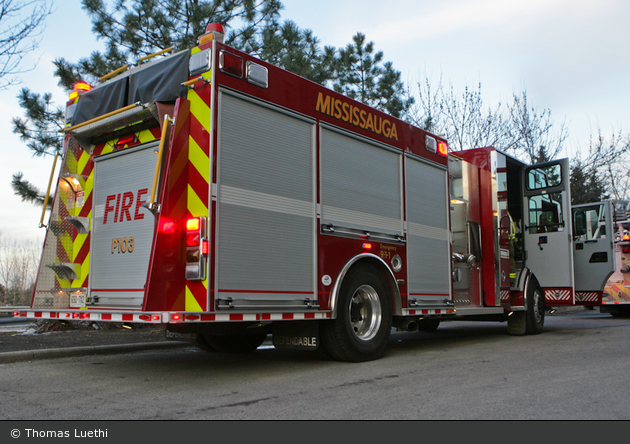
x: 442, y: 148
x: 80, y: 86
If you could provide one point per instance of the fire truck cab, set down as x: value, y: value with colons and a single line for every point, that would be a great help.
x: 513, y: 239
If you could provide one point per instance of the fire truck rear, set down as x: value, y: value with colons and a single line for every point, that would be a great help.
x: 228, y: 200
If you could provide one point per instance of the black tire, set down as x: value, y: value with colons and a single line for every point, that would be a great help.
x: 428, y: 324
x: 202, y: 343
x: 535, y: 308
x: 364, y: 318
x: 233, y: 343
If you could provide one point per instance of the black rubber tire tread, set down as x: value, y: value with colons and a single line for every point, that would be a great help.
x: 235, y: 343
x: 534, y: 290
x: 338, y: 337
x: 428, y: 325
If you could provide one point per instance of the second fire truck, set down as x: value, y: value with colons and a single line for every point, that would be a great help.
x: 616, y: 298
x: 229, y: 200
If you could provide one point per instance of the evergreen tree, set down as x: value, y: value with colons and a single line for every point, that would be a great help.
x: 541, y: 155
x: 586, y: 187
x: 294, y: 49
x: 132, y: 29
x: 362, y: 76
x: 40, y: 131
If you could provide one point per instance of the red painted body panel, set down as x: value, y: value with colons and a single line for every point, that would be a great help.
x: 166, y: 284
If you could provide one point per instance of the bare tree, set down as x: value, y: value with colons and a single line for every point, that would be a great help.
x: 467, y: 122
x: 21, y: 23
x: 18, y: 270
x: 470, y: 126
x: 531, y: 132
x: 608, y: 159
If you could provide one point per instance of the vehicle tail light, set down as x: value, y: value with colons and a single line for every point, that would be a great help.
x: 197, y: 248
x: 231, y: 64
x: 130, y: 140
x: 167, y: 226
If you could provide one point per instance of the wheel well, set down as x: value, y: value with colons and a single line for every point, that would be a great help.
x: 386, y: 274
x: 532, y: 282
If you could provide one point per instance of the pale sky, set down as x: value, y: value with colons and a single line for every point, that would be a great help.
x: 570, y: 55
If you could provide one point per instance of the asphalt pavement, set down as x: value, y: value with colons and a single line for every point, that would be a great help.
x: 22, y: 340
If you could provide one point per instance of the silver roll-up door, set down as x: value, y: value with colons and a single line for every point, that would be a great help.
x: 428, y: 251
x: 266, y: 211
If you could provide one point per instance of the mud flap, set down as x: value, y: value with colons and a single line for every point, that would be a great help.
x: 296, y: 335
x: 517, y: 323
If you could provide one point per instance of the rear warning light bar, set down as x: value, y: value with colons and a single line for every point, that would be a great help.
x: 170, y: 317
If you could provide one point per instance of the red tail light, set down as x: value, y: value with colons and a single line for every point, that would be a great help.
x: 167, y: 226
x: 193, y: 239
x: 231, y: 64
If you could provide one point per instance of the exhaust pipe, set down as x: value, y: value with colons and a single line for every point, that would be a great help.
x: 406, y: 324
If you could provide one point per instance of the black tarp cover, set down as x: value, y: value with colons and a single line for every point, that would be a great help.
x: 160, y: 82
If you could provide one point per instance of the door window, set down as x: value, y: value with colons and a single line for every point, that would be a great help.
x: 589, y: 223
x: 545, y: 213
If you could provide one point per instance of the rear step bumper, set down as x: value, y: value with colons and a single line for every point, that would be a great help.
x: 169, y: 317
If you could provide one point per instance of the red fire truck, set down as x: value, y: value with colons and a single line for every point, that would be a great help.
x: 616, y: 298
x: 229, y: 200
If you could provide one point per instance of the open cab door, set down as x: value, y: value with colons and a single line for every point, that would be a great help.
x: 593, y: 252
x: 547, y: 232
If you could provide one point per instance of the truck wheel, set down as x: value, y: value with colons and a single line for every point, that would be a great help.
x: 234, y: 343
x: 202, y: 343
x: 364, y: 321
x: 535, y: 308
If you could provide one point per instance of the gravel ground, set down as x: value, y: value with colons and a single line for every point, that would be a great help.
x: 47, y: 335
